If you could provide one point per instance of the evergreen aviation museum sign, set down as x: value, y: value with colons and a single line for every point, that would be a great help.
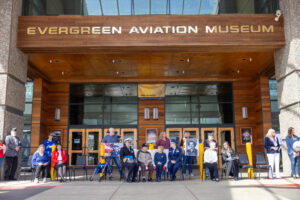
x: 150, y: 33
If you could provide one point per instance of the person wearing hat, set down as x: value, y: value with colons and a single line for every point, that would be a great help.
x: 144, y: 160
x: 13, y: 144
x: 128, y: 160
x: 175, y: 159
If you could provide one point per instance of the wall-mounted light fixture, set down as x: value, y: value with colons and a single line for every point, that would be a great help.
x: 146, y: 113
x: 57, y: 114
x: 245, y: 112
x: 155, y: 113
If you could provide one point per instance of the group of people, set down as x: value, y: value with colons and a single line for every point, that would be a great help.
x: 272, y: 144
x: 45, y: 157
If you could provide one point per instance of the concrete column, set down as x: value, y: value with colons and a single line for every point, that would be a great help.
x: 287, y: 67
x: 13, y: 70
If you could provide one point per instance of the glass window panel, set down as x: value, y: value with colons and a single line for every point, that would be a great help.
x: 177, y: 108
x: 194, y: 99
x: 26, y: 145
x: 274, y: 106
x: 129, y: 134
x: 93, y: 100
x: 209, y: 7
x: 175, y: 7
x: 177, y: 99
x: 76, y: 114
x: 141, y: 7
x: 178, y: 118
x: 210, y: 114
x: 92, y: 158
x: 125, y: 7
x: 195, y: 117
x: 226, y: 137
x: 124, y: 118
x: 28, y: 113
x: 226, y: 113
x: 77, y: 140
x: 174, y: 135
x: 207, y: 133
x: 93, y: 141
x: 191, y: 7
x: 158, y: 7
x: 29, y: 91
x: 208, y: 99
x: 92, y: 7
x: 124, y: 99
x: 109, y: 7
x: 74, y: 157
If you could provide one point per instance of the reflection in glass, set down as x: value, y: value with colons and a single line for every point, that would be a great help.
x: 74, y: 157
x: 174, y: 135
x: 92, y: 158
x: 191, y: 7
x: 141, y: 7
x: 158, y: 7
x: 207, y: 133
x: 93, y: 141
x: 129, y: 134
x: 226, y: 137
x: 109, y: 7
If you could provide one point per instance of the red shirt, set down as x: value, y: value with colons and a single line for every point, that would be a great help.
x: 164, y: 143
x: 1, y: 151
x: 55, y: 157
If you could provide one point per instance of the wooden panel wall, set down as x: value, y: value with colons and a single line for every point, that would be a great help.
x: 48, y: 97
x: 151, y: 123
x: 255, y: 96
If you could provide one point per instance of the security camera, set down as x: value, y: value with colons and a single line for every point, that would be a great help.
x: 278, y: 14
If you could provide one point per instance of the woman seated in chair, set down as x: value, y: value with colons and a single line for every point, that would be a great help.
x: 128, y: 161
x: 40, y: 160
x: 59, y: 162
x: 175, y: 159
x: 144, y: 160
x: 210, y: 161
x: 230, y: 161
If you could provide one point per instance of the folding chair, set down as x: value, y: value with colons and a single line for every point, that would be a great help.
x: 244, y: 163
x: 80, y: 164
x: 261, y: 163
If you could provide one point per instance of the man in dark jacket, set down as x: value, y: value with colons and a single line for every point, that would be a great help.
x: 128, y: 160
x: 13, y: 144
x: 175, y: 159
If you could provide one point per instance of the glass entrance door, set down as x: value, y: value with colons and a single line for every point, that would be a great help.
x: 76, y: 144
x: 117, y: 132
x: 93, y: 141
x: 130, y: 133
x: 209, y: 131
x: 174, y: 133
x: 226, y: 135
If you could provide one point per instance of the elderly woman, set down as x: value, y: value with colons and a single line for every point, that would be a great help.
x: 272, y: 145
x: 163, y: 141
x: 40, y: 161
x: 210, y: 161
x: 230, y: 161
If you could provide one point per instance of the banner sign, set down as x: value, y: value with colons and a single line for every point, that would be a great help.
x: 151, y: 91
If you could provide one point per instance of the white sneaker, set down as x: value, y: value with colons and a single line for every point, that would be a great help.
x: 36, y: 180
x: 191, y: 175
x: 44, y: 180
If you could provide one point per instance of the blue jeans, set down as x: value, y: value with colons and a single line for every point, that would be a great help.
x: 187, y: 160
x: 294, y: 164
x: 117, y: 161
x: 1, y: 161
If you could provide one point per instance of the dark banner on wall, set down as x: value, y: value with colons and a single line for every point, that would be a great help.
x: 150, y: 33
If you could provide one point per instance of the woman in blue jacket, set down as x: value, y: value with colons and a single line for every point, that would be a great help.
x: 40, y: 161
x: 294, y: 156
x: 272, y: 146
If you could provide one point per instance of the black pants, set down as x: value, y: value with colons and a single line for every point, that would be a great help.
x: 213, y: 170
x: 233, y: 169
x: 43, y: 169
x: 132, y: 170
x: 11, y: 167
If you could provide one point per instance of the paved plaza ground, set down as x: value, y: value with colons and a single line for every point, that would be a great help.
x: 194, y: 189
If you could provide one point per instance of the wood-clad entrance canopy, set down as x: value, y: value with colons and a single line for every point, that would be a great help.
x: 148, y: 66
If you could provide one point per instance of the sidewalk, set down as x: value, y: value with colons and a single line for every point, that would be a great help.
x: 195, y: 189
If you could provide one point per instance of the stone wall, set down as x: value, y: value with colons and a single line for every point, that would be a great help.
x: 287, y: 68
x: 13, y: 70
